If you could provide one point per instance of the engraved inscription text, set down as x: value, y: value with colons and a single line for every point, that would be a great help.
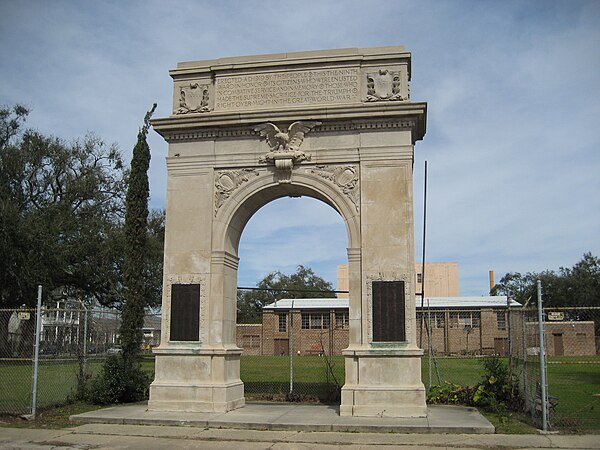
x: 307, y: 87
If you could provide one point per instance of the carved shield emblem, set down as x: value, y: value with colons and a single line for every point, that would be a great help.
x: 193, y: 98
x: 383, y: 85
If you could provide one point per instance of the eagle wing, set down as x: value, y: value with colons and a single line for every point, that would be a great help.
x: 297, y: 130
x: 268, y: 131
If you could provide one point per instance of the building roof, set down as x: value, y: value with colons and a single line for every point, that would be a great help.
x: 432, y: 302
x: 309, y: 303
x: 498, y: 301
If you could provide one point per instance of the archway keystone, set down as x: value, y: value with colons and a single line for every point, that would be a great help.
x: 336, y: 125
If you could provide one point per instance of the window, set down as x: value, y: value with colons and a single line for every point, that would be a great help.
x: 501, y: 320
x: 438, y: 319
x: 282, y: 323
x: 341, y: 320
x: 251, y: 341
x: 463, y: 319
x: 315, y: 320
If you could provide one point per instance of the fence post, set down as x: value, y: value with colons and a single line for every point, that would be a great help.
x: 85, y: 338
x: 509, y: 331
x: 36, y: 354
x: 544, y: 394
x: 291, y: 345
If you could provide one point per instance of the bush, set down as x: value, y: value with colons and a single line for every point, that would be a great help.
x: 118, y: 382
x: 450, y: 394
x: 498, y: 392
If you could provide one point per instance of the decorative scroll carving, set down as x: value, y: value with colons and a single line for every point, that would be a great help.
x: 193, y: 98
x: 285, y: 146
x: 187, y: 279
x: 344, y: 177
x: 384, y: 85
x: 386, y: 277
x: 228, y: 181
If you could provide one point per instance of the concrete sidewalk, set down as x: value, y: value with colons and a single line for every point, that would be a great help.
x: 110, y: 436
x: 297, y: 417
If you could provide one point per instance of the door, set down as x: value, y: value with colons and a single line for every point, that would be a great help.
x: 501, y: 346
x: 282, y: 347
x: 559, y: 350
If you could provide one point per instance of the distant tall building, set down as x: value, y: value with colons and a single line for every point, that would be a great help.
x: 441, y: 279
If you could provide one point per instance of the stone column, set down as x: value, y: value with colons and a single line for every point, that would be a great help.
x: 383, y: 366
x: 198, y: 362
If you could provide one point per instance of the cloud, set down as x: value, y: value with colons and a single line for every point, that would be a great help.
x: 513, y: 110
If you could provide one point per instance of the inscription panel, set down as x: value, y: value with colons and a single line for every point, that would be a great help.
x: 268, y: 90
x: 185, y: 312
x: 388, y: 311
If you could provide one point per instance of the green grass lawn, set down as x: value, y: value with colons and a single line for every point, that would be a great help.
x: 462, y: 371
x: 57, y: 381
x: 577, y: 387
x: 576, y: 384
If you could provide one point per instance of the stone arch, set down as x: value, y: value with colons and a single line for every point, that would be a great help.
x: 231, y: 219
x: 338, y: 126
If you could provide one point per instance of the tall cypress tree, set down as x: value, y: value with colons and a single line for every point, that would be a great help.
x: 136, y: 225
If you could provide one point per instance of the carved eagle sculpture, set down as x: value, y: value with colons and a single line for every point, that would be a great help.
x: 280, y: 141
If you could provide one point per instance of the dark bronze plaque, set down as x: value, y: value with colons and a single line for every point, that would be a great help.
x: 388, y: 311
x: 185, y: 312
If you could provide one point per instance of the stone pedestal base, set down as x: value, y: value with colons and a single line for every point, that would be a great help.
x: 383, y: 383
x: 196, y: 381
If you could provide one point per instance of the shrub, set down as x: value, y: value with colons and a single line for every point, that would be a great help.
x: 118, y: 382
x: 498, y: 392
x: 450, y: 394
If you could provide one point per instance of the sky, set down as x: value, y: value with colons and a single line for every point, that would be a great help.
x: 513, y: 125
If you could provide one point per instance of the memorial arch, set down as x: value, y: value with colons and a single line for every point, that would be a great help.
x: 338, y: 126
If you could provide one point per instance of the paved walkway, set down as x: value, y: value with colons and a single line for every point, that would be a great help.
x: 110, y: 436
x: 297, y: 417
x: 281, y: 427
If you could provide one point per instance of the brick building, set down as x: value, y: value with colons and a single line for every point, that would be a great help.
x: 459, y: 325
x: 464, y: 325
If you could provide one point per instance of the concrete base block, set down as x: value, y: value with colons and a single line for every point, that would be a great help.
x: 375, y: 401
x: 196, y: 380
x: 383, y: 383
x: 196, y: 398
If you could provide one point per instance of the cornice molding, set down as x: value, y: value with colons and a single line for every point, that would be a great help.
x: 182, y: 135
x: 212, y: 125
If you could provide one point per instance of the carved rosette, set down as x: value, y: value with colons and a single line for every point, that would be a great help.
x: 384, y: 85
x: 228, y: 181
x: 381, y: 276
x: 187, y: 279
x: 193, y: 98
x: 344, y: 178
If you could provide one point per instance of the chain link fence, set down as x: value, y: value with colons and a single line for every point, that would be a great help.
x: 572, y: 364
x: 455, y: 341
x: 73, y: 344
x: 298, y: 352
x: 294, y: 355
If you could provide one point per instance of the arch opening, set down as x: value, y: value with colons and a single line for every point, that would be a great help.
x: 288, y: 232
x: 254, y: 195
